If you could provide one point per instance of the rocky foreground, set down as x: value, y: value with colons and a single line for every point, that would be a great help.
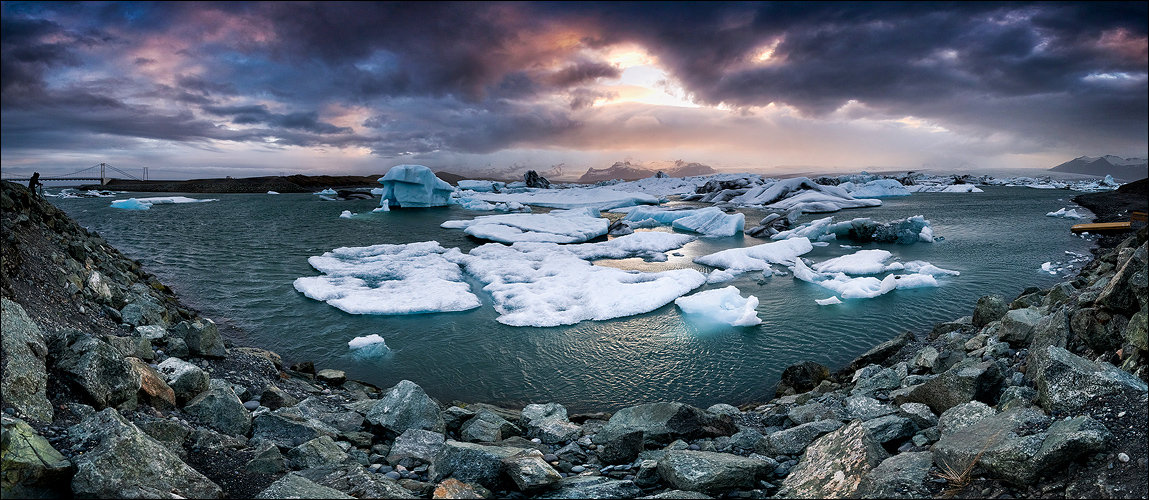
x: 112, y: 388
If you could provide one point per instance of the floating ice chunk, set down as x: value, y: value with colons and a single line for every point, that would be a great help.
x: 327, y: 191
x: 272, y: 192
x: 905, y: 281
x: 1048, y: 267
x: 482, y: 186
x: 812, y: 230
x: 724, y: 305
x: 953, y: 188
x: 645, y: 244
x: 860, y: 262
x: 370, y: 340
x: 758, y: 257
x: 601, y: 198
x: 389, y: 279
x: 926, y: 235
x: 1066, y: 214
x: 550, y: 228
x: 723, y: 275
x: 864, y: 229
x: 880, y: 188
x: 385, y: 207
x: 327, y: 198
x: 803, y: 194
x: 921, y: 267
x: 542, y: 285
x: 370, y: 346
x: 346, y: 214
x: 658, y: 214
x: 166, y: 200
x: 711, y: 221
x: 829, y: 301
x: 131, y: 204
x: 860, y: 288
x: 414, y: 186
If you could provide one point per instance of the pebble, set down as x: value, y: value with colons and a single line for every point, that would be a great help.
x: 392, y: 475
x: 1123, y: 458
x: 578, y: 469
x: 536, y: 440
x: 694, y: 447
x: 251, y: 405
x: 550, y: 457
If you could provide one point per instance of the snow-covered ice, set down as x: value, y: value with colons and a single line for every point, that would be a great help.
x: 551, y: 227
x: 389, y: 279
x: 369, y: 340
x: 922, y: 267
x: 410, y: 186
x: 602, y: 198
x: 272, y: 192
x: 146, y: 203
x: 646, y: 244
x: 658, y: 214
x: 327, y: 191
x: 1066, y: 214
x: 861, y: 288
x: 879, y: 188
x: 829, y: 301
x: 860, y: 262
x: 721, y: 276
x: 801, y: 193
x: 724, y: 305
x: 953, y: 188
x: 482, y: 186
x: 544, y: 285
x: 711, y: 221
x: 757, y: 257
x: 131, y: 204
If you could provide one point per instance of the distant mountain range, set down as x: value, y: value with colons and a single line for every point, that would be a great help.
x: 630, y: 172
x: 1126, y: 169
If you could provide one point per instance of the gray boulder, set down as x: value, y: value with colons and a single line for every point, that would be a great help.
x: 319, y: 452
x: 549, y: 423
x: 1066, y: 382
x: 966, y: 381
x: 331, y: 377
x: 711, y: 473
x: 275, y: 398
x: 834, y: 465
x: 470, y: 463
x: 295, y: 486
x: 201, y: 336
x: 795, y: 439
x: 1100, y: 329
x: 23, y: 353
x: 618, y: 445
x: 593, y: 487
x: 900, y: 476
x: 287, y: 428
x: 962, y: 416
x: 572, y: 453
x: 989, y: 309
x: 884, y: 380
x: 1016, y: 396
x: 919, y: 413
x: 890, y: 428
x: 32, y: 467
x: 357, y: 482
x: 186, y: 379
x: 1052, y: 330
x: 487, y: 427
x: 1137, y: 331
x: 406, y: 406
x: 98, y: 369
x: 267, y: 460
x: 880, y: 353
x: 862, y: 407
x: 746, y: 439
x: 416, y: 443
x: 221, y: 409
x: 1126, y: 292
x: 140, y: 313
x: 530, y: 472
x: 114, y: 466
x: 813, y: 412
x: 454, y: 417
x: 333, y: 415
x: 801, y: 377
x: 662, y: 423
x: 1017, y: 326
x: 137, y: 347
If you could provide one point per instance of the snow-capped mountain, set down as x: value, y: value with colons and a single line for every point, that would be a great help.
x: 1126, y: 169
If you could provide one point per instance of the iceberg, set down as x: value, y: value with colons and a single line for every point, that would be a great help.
x: 327, y: 191
x: 860, y: 262
x: 272, y: 192
x: 647, y: 245
x: 953, y: 188
x: 389, y: 279
x: 864, y: 229
x: 601, y: 198
x: 829, y: 301
x: 482, y: 186
x: 803, y: 194
x: 146, y: 203
x: 712, y: 221
x: 410, y: 186
x: 346, y: 214
x: 361, y: 342
x: 922, y: 267
x: 550, y: 228
x: 1066, y: 214
x: 758, y: 257
x: 880, y: 188
x: 131, y: 204
x: 861, y: 288
x: 724, y: 305
x: 658, y: 214
x: 544, y: 285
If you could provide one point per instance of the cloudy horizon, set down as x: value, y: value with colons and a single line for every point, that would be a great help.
x: 208, y: 90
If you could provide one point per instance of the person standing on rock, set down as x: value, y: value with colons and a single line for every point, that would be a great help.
x: 34, y: 184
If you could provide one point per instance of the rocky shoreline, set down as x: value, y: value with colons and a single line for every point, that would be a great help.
x: 112, y: 388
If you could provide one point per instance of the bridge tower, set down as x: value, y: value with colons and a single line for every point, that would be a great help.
x: 103, y: 176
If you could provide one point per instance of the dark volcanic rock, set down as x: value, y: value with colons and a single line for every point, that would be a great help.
x: 989, y: 309
x: 711, y: 473
x: 32, y: 467
x: 803, y: 377
x: 962, y: 383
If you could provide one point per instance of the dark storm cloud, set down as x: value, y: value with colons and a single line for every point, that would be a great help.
x: 246, y: 115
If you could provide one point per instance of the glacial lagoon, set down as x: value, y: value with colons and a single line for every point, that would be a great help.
x: 236, y: 259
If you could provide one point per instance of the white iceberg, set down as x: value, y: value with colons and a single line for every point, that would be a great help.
x: 711, y: 221
x: 370, y: 340
x: 389, y: 279
x: 327, y: 191
x: 724, y: 305
x: 829, y: 301
x: 880, y: 188
x: 803, y: 194
x: 860, y: 288
x: 758, y: 257
x: 658, y: 214
x: 482, y: 186
x: 860, y: 262
x: 922, y: 267
x: 601, y: 198
x: 648, y: 245
x: 272, y: 192
x: 953, y: 188
x: 543, y: 285
x: 1066, y: 214
x: 131, y: 204
x: 721, y: 276
x: 346, y: 214
x: 549, y: 228
x: 146, y: 203
x: 410, y: 186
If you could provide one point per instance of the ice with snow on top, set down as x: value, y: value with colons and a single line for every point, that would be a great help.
x: 922, y: 267
x: 757, y: 257
x: 724, y: 305
x: 1066, y: 214
x: 369, y: 340
x: 410, y: 186
x: 346, y: 214
x: 712, y: 221
x: 370, y: 346
x: 131, y: 204
x: 1048, y: 267
x: 860, y: 288
x: 661, y: 215
x: 601, y: 198
x: 327, y: 191
x: 864, y: 229
x: 880, y: 188
x: 553, y: 227
x: 860, y: 262
x: 647, y: 245
x: 389, y: 279
x: 385, y: 206
x: 829, y: 301
x: 272, y: 192
x: 482, y: 186
x: 146, y: 203
x: 803, y: 194
x: 547, y: 285
x: 721, y: 276
x: 953, y: 188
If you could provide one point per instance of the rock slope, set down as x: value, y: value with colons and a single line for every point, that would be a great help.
x: 111, y: 388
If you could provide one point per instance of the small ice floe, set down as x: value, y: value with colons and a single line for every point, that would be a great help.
x: 862, y: 287
x: 146, y: 203
x: 860, y: 262
x: 879, y: 188
x: 384, y: 206
x: 713, y: 222
x: 482, y: 186
x: 953, y: 188
x: 272, y: 192
x: 721, y: 276
x: 1048, y: 267
x: 758, y: 257
x: 863, y: 229
x: 346, y: 214
x: 828, y: 302
x: 368, y: 346
x: 554, y: 227
x: 724, y: 305
x: 602, y: 198
x: 1066, y: 214
x: 327, y: 191
x: 131, y: 204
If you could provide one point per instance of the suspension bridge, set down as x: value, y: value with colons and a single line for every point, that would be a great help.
x: 87, y: 174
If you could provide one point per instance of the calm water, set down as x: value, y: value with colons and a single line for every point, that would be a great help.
x: 236, y: 259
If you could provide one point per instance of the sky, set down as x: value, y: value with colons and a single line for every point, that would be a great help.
x: 193, y: 90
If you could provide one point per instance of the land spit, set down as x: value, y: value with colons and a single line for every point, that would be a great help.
x: 113, y: 388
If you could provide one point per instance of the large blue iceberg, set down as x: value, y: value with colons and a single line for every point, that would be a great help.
x: 411, y: 186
